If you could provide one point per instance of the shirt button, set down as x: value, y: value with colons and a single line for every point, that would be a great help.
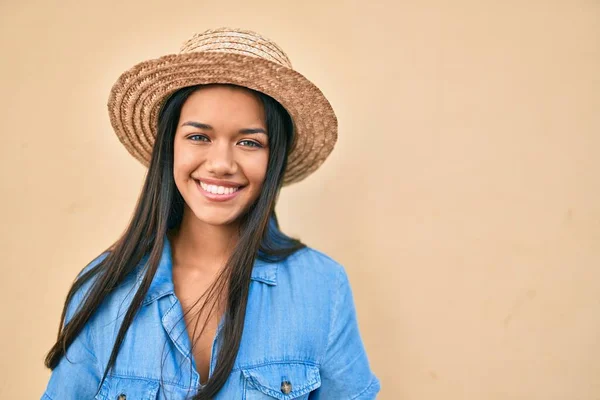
x: 122, y: 396
x: 286, y: 387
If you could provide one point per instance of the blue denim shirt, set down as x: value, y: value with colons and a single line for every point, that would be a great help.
x: 300, y: 327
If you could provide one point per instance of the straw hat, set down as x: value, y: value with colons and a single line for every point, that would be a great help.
x: 224, y: 55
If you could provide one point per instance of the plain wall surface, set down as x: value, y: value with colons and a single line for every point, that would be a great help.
x: 463, y: 196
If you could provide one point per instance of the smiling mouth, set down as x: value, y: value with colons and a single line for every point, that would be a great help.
x: 216, y: 191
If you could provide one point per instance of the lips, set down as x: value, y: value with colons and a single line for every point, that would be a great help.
x: 216, y: 192
x: 218, y: 189
x: 219, y: 182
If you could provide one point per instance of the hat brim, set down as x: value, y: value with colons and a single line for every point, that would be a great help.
x: 135, y: 100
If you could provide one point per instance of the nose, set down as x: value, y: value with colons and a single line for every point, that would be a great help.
x: 220, y: 159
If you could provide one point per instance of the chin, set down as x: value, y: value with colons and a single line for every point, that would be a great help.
x: 216, y: 220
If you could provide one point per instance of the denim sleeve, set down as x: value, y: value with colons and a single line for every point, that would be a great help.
x: 77, y: 375
x: 345, y: 371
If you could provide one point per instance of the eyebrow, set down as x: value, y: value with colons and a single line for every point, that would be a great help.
x: 201, y: 125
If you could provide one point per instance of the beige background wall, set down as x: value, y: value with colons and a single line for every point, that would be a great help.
x: 463, y: 196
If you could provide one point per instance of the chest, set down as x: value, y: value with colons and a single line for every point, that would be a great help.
x: 283, y: 340
x: 201, y: 315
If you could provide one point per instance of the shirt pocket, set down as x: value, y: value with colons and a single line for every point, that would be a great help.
x: 128, y: 388
x: 280, y: 380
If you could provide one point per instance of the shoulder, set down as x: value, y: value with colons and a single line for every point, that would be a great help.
x: 97, y: 260
x: 82, y: 291
x: 313, y: 260
x: 115, y: 299
x: 312, y: 269
x: 86, y: 286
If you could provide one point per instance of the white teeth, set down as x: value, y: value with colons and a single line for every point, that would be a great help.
x: 218, y: 189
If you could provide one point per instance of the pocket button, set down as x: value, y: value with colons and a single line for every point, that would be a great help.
x: 286, y: 387
x: 122, y: 396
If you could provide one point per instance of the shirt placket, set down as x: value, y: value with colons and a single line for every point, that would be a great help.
x: 215, y: 348
x: 174, y: 325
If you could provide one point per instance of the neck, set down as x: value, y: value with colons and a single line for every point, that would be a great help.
x: 201, y: 247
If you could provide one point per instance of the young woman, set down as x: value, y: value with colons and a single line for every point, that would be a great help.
x: 203, y: 296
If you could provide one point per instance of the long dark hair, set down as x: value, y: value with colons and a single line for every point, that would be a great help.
x: 159, y: 209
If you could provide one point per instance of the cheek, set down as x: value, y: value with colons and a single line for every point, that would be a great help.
x: 183, y: 163
x: 257, y: 171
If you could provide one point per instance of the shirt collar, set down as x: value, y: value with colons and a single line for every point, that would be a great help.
x: 162, y: 284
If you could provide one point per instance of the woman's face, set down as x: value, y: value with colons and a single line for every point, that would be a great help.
x: 221, y: 152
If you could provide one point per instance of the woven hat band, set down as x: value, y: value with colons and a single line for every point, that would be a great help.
x: 244, y: 42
